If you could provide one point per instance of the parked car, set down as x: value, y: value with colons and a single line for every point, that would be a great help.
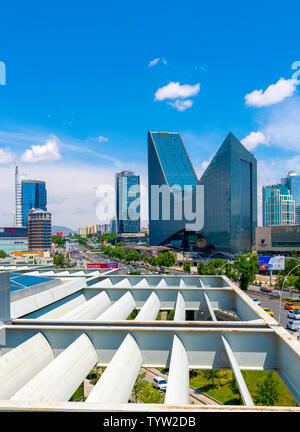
x: 256, y: 300
x: 291, y: 306
x: 160, y: 383
x: 293, y: 325
x: 268, y: 311
x: 294, y: 314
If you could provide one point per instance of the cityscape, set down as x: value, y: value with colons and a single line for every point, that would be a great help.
x: 150, y: 218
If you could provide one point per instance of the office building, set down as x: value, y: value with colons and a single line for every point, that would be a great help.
x: 127, y: 202
x: 13, y: 239
x: 34, y: 195
x: 292, y: 181
x: 230, y: 198
x: 278, y: 205
x: 18, y: 192
x: 113, y: 225
x: 39, y: 230
x: 278, y: 239
x: 168, y: 165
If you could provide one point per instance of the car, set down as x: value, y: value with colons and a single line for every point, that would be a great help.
x: 291, y: 306
x: 293, y: 325
x: 160, y: 383
x: 256, y: 300
x: 294, y: 314
x: 268, y: 311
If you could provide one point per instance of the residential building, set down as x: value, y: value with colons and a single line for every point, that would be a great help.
x: 39, y: 230
x: 278, y: 205
x: 230, y: 198
x: 168, y: 165
x: 127, y: 202
x: 13, y: 239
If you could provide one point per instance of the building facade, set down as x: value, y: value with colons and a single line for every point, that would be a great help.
x: 127, y: 202
x: 278, y: 206
x: 230, y: 198
x: 18, y: 192
x: 13, y: 239
x: 278, y: 239
x: 292, y: 181
x: 39, y: 230
x: 34, y: 195
x: 168, y: 165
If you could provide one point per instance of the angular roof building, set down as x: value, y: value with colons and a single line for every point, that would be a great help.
x: 230, y: 198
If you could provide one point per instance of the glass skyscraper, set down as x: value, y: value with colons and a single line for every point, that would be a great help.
x: 278, y: 205
x: 127, y: 202
x: 168, y: 164
x: 230, y: 198
x: 34, y: 195
x: 292, y: 181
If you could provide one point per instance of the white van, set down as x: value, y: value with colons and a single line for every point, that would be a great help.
x: 160, y: 383
x: 293, y: 325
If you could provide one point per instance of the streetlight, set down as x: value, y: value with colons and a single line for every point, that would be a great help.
x: 298, y: 265
x: 220, y: 252
x: 228, y: 262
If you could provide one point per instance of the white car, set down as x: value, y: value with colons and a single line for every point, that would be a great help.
x: 160, y: 383
x: 293, y: 325
x: 294, y: 314
x: 256, y: 300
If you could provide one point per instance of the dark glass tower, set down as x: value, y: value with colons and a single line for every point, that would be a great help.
x: 168, y: 164
x: 127, y: 196
x: 34, y: 195
x: 230, y: 198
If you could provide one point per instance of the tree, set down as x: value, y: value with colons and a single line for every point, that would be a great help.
x: 247, y: 267
x: 211, y: 374
x: 201, y: 268
x: 235, y: 388
x: 187, y: 267
x: 267, y: 392
x: 138, y: 385
x: 3, y: 254
x: 166, y: 259
x: 59, y: 260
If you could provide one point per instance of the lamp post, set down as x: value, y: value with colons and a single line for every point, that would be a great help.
x: 220, y: 268
x: 298, y: 265
x: 220, y: 252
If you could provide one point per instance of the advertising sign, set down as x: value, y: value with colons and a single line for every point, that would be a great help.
x: 102, y: 265
x: 271, y: 263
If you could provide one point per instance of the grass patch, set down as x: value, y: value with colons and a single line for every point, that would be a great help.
x: 78, y: 394
x: 222, y: 390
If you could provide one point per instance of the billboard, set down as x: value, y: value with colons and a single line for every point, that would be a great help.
x: 271, y: 263
x: 102, y: 265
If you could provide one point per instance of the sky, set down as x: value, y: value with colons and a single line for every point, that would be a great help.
x: 85, y: 81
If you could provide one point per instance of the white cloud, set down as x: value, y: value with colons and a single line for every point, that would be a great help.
x: 6, y: 157
x: 164, y: 61
x: 175, y: 90
x: 254, y: 139
x: 181, y: 105
x: 102, y: 139
x: 43, y: 153
x: 153, y: 62
x: 273, y: 94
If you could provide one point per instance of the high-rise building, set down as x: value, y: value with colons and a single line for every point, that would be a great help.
x: 278, y: 205
x: 292, y: 181
x: 39, y: 230
x: 34, y: 195
x: 113, y: 225
x: 127, y: 202
x: 230, y: 198
x: 18, y: 191
x: 168, y: 165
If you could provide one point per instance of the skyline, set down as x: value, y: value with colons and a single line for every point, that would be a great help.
x: 79, y: 100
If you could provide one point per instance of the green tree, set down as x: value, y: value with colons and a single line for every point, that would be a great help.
x: 247, y: 267
x: 166, y: 259
x: 59, y: 260
x: 138, y: 385
x: 3, y: 254
x: 267, y: 392
x: 201, y: 268
x: 235, y: 388
x: 211, y: 375
x: 187, y: 267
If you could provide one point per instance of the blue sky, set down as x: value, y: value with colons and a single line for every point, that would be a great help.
x: 82, y: 85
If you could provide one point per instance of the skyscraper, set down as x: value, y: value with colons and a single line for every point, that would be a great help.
x: 230, y: 198
x: 168, y: 165
x: 18, y: 191
x: 127, y: 202
x: 39, y: 230
x: 278, y: 205
x: 292, y: 181
x: 34, y: 195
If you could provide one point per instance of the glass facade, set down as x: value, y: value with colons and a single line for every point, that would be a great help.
x: 230, y: 198
x: 127, y: 202
x: 168, y: 164
x: 34, y: 195
x: 13, y: 239
x: 278, y: 206
x: 292, y: 181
